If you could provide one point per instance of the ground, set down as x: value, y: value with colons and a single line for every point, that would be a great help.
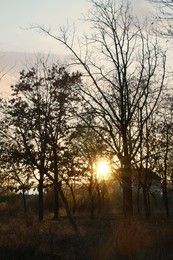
x: 106, y: 238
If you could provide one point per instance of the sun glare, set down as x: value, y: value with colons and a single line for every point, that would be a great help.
x: 103, y: 169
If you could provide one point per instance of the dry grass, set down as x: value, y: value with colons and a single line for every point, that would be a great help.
x: 106, y: 238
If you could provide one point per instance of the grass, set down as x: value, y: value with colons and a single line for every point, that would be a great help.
x: 106, y: 238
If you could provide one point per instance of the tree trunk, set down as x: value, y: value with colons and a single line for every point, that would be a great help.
x: 146, y: 202
x: 127, y: 184
x: 165, y: 198
x: 98, y: 198
x: 71, y: 219
x: 103, y: 200
x: 70, y: 216
x: 56, y: 194
x: 127, y: 192
x: 74, y: 200
x: 56, y: 203
x: 126, y: 175
x: 165, y: 188
x: 56, y: 190
x: 40, y: 198
x: 138, y: 199
x: 91, y: 195
x: 24, y: 202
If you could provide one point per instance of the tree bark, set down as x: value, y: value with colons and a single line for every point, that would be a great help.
x: 24, y: 202
x: 138, y: 199
x: 74, y: 200
x: 71, y: 219
x: 91, y: 194
x: 165, y: 188
x: 56, y: 194
x: 165, y: 198
x: 56, y: 191
x: 56, y: 203
x: 126, y: 175
x: 40, y: 198
x: 127, y: 192
x: 98, y: 198
x: 146, y: 201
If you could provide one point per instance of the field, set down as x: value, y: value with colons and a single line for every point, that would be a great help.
x: 108, y: 237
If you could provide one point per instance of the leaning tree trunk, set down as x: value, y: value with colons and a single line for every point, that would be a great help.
x: 68, y: 211
x: 74, y: 205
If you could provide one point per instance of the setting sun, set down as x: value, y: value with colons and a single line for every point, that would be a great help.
x: 103, y: 169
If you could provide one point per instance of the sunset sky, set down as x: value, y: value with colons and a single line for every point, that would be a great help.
x: 17, y: 43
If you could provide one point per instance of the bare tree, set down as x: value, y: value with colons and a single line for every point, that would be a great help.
x: 163, y: 18
x: 125, y: 72
x: 89, y: 148
x: 17, y: 178
x: 164, y: 164
x: 35, y: 122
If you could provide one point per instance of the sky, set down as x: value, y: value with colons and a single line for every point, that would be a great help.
x: 18, y: 43
x: 17, y: 15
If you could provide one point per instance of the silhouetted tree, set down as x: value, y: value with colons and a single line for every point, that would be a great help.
x: 89, y: 147
x: 17, y: 178
x: 125, y: 72
x: 163, y: 17
x: 35, y: 119
x: 163, y: 149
